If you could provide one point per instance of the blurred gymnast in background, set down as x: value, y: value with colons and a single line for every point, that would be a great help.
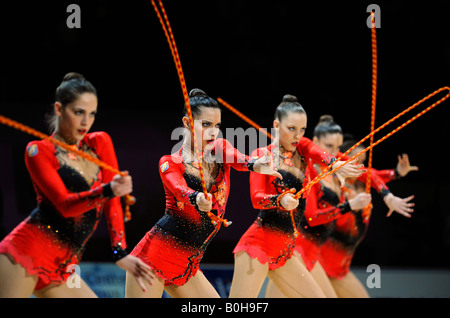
x: 328, y: 208
x: 266, y: 248
x: 72, y: 192
x: 174, y: 247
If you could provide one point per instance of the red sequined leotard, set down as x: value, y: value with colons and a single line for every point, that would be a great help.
x: 71, y: 193
x: 337, y: 252
x: 270, y: 239
x: 324, y: 204
x: 174, y: 247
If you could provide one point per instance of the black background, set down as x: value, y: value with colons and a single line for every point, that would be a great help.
x: 250, y: 53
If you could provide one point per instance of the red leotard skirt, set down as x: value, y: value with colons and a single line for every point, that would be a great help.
x: 308, y: 250
x: 335, y: 260
x: 267, y: 245
x: 40, y: 252
x: 172, y: 259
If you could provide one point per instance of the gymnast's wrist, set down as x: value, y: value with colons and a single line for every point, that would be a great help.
x: 107, y: 191
x: 118, y: 252
x: 251, y: 164
x: 345, y: 207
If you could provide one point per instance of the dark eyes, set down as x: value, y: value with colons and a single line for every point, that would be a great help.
x: 293, y: 129
x: 81, y: 112
x: 206, y: 124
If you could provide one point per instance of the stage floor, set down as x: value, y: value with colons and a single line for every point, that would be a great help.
x: 108, y: 280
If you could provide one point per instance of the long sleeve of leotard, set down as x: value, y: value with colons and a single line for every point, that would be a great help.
x: 173, y: 180
x: 316, y: 215
x: 386, y: 175
x: 42, y: 165
x: 310, y: 150
x: 227, y: 154
x: 104, y: 148
x: 262, y: 192
x: 376, y: 183
x: 379, y: 178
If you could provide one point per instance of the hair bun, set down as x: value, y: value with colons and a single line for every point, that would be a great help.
x: 289, y: 98
x: 326, y: 119
x: 72, y: 75
x: 196, y: 92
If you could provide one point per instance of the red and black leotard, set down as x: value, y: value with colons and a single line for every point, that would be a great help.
x: 337, y: 252
x: 323, y: 207
x: 270, y: 239
x: 174, y: 247
x: 71, y: 195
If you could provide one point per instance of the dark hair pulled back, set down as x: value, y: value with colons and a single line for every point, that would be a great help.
x: 197, y: 99
x: 289, y: 104
x: 71, y: 87
x: 326, y: 126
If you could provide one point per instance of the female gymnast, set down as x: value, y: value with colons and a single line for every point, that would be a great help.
x: 327, y: 204
x: 71, y: 193
x: 266, y: 248
x: 174, y: 247
x: 337, y: 252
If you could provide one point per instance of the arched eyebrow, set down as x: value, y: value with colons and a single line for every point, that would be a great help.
x: 210, y: 122
x: 80, y: 108
x: 295, y: 126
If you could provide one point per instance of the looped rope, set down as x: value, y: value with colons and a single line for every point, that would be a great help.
x: 173, y: 49
x: 326, y: 172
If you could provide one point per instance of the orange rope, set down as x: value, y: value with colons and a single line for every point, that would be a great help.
x: 324, y: 173
x: 129, y: 200
x: 373, y: 32
x: 173, y: 48
x: 252, y: 123
x: 245, y: 118
x: 374, y: 99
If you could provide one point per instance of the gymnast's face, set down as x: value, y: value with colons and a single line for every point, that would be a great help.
x: 206, y: 126
x: 76, y: 118
x: 330, y: 143
x: 291, y: 129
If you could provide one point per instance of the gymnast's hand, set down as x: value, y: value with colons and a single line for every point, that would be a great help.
x: 349, y: 170
x: 264, y: 165
x: 138, y: 269
x: 121, y: 185
x: 360, y: 201
x: 399, y: 205
x: 403, y: 166
x: 288, y: 202
x: 202, y: 203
